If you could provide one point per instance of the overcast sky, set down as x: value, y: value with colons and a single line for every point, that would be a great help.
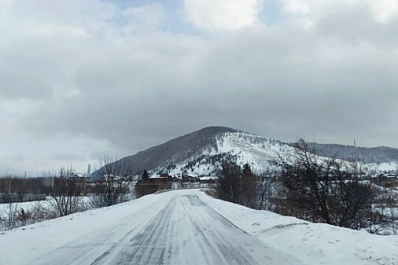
x: 80, y: 79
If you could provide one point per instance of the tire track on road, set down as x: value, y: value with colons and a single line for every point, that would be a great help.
x: 185, y: 232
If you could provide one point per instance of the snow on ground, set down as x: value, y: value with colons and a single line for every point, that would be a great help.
x: 392, y: 166
x: 307, y: 242
x: 27, y: 206
x: 26, y: 244
x: 252, y: 149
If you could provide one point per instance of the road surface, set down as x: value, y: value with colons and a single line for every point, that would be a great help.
x: 178, y: 229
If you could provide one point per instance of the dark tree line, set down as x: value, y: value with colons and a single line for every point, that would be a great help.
x: 373, y: 155
x: 21, y: 186
x: 237, y: 185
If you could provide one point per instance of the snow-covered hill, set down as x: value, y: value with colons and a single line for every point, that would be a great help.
x: 202, y: 152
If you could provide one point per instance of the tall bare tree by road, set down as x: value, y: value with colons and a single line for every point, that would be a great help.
x: 324, y: 190
x: 66, y: 192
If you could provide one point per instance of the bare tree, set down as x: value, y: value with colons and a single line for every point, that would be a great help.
x: 265, y: 186
x: 324, y: 190
x: 66, y: 193
x: 112, y: 182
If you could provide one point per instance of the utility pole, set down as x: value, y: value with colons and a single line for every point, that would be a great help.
x: 88, y: 170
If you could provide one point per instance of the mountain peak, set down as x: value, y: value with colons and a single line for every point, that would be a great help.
x: 183, y: 149
x: 217, y: 129
x: 202, y: 152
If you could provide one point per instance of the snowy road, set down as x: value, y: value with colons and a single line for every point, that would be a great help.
x: 181, y: 230
x: 189, y: 227
x: 186, y: 231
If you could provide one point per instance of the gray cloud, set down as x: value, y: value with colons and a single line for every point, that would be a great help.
x: 125, y: 90
x: 245, y: 80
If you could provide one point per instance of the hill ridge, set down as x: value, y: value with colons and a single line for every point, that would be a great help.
x: 202, y: 152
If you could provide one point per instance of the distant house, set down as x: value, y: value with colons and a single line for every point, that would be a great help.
x: 385, y: 179
x: 162, y: 178
x: 190, y: 178
x: 158, y: 180
x: 177, y: 179
x: 209, y: 179
x: 79, y: 176
x: 164, y: 173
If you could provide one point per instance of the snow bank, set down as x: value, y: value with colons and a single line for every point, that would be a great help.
x: 308, y: 242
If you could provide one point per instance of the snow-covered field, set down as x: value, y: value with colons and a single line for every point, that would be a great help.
x: 31, y: 205
x: 185, y: 220
x: 27, y: 206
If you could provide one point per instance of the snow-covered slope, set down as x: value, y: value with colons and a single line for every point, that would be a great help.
x: 240, y: 147
x: 203, y: 151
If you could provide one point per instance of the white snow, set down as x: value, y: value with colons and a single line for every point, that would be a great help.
x: 387, y: 166
x: 257, y: 151
x: 254, y: 150
x: 209, y: 178
x: 27, y: 206
x: 308, y: 243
